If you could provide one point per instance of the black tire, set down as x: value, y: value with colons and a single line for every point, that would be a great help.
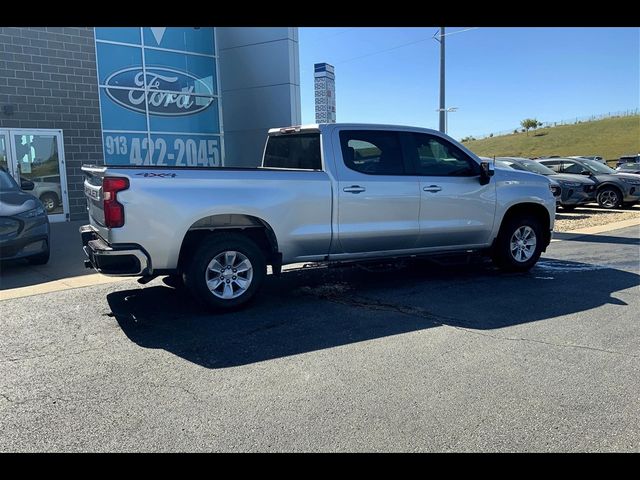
x: 609, y: 197
x: 502, y: 254
x: 197, y: 272
x: 569, y: 208
x: 40, y: 258
x: 50, y: 201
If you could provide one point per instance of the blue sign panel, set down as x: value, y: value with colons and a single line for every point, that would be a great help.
x: 159, y: 99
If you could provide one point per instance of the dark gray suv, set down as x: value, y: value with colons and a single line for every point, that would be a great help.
x: 24, y: 225
x: 575, y: 190
x: 613, y: 189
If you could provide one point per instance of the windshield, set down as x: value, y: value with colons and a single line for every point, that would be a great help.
x: 7, y: 183
x: 536, y: 167
x: 597, y: 167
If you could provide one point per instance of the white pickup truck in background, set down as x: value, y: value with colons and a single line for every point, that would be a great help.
x: 324, y: 193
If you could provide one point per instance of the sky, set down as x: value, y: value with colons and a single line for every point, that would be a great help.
x: 496, y: 76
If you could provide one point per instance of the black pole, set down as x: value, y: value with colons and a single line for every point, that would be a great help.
x: 442, y: 112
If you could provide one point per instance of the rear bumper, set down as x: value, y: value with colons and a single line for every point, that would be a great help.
x: 116, y: 260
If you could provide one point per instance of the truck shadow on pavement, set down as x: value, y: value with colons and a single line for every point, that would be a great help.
x: 312, y: 309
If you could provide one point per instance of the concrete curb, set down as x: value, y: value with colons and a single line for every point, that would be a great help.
x: 632, y: 222
x: 59, y: 285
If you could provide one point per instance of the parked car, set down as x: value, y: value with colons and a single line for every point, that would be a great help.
x: 324, y: 193
x: 575, y: 190
x: 590, y: 157
x: 613, y: 189
x: 24, y: 225
x: 47, y: 189
x: 629, y: 168
x: 555, y: 187
x: 628, y: 159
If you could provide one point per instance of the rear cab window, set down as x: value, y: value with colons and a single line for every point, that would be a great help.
x: 299, y: 151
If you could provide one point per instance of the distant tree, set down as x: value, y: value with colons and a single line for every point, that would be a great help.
x: 490, y: 135
x: 515, y: 130
x: 528, y: 123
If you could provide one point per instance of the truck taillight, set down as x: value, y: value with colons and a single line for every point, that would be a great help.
x: 113, y: 210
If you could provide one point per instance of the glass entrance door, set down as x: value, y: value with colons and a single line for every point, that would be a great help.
x: 4, y: 151
x: 38, y: 156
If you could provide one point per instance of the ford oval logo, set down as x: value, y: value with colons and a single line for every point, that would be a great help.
x: 169, y: 92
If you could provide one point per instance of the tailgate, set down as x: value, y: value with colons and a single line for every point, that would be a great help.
x: 93, y: 192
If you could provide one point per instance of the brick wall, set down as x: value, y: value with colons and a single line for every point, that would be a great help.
x: 48, y: 75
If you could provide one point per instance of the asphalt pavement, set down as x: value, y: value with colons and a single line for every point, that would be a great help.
x: 420, y: 357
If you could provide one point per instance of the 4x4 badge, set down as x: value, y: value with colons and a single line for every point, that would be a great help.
x: 161, y: 175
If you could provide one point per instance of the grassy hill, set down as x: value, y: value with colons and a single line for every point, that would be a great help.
x: 610, y: 138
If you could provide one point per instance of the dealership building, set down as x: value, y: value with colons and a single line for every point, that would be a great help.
x: 156, y: 96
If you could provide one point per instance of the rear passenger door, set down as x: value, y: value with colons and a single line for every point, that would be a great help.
x: 378, y: 197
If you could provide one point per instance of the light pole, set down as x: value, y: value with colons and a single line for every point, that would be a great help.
x: 443, y: 121
x: 444, y: 112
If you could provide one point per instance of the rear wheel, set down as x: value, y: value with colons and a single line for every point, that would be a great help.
x: 519, y: 244
x: 226, y: 271
x: 609, y: 197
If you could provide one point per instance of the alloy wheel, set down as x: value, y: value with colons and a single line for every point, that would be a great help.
x: 229, y: 274
x: 523, y: 244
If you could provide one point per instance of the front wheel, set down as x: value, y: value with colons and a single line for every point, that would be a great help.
x: 609, y: 197
x: 519, y: 244
x: 49, y: 201
x: 226, y: 271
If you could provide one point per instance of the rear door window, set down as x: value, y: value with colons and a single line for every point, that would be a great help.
x: 373, y: 152
x: 572, y: 167
x: 553, y: 165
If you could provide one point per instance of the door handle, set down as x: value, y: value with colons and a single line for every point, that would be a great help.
x: 354, y: 189
x: 432, y: 188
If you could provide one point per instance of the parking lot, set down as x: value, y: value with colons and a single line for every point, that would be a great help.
x: 418, y: 357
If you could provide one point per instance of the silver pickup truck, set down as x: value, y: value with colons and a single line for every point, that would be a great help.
x: 324, y: 193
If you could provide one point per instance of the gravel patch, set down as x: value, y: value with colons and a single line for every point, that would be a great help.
x: 592, y: 216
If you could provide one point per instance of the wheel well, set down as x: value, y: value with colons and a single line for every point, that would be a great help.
x: 610, y: 185
x: 259, y: 231
x: 532, y: 209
